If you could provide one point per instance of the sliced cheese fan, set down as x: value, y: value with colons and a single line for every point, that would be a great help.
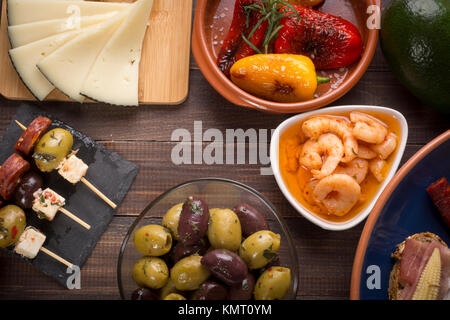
x: 25, y: 59
x: 23, y: 34
x: 114, y: 77
x: 67, y: 67
x: 27, y: 11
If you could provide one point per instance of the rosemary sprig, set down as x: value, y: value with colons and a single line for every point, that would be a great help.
x: 269, y: 10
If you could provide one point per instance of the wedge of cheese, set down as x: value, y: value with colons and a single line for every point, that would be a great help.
x: 114, y: 78
x: 23, y: 34
x: 68, y: 66
x: 25, y: 59
x: 27, y: 11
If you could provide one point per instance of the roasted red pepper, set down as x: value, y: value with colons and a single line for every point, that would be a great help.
x: 331, y: 42
x: 234, y: 47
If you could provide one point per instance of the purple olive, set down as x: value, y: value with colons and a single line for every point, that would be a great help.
x: 210, y: 290
x: 243, y: 290
x: 181, y: 250
x: 225, y: 265
x: 143, y: 294
x: 251, y: 219
x: 29, y: 184
x: 193, y: 222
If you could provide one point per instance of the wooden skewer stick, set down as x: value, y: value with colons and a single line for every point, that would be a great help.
x: 87, y: 183
x: 21, y: 125
x: 74, y: 217
x: 97, y: 192
x: 56, y: 257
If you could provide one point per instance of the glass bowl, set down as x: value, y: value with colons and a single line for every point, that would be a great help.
x: 217, y: 193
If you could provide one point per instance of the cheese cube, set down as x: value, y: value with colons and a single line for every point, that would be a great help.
x: 29, y: 243
x: 72, y: 169
x: 47, y: 203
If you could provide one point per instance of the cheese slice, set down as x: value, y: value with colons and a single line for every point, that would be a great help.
x: 25, y: 59
x: 23, y: 34
x: 27, y: 11
x: 67, y: 67
x: 114, y: 78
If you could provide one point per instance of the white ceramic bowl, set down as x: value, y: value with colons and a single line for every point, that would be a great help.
x: 274, y: 159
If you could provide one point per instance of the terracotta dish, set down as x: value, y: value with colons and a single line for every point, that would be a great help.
x: 211, y: 24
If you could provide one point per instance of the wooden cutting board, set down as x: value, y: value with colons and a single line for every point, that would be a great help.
x: 164, y: 67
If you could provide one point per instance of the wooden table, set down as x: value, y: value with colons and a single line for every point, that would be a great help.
x: 143, y: 135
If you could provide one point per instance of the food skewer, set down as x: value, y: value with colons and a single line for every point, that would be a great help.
x: 27, y: 241
x: 45, y: 203
x: 30, y: 243
x: 67, y: 166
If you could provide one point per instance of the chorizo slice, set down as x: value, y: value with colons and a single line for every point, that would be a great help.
x: 32, y: 134
x: 10, y: 173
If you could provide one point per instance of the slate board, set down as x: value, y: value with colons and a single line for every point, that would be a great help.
x: 108, y: 171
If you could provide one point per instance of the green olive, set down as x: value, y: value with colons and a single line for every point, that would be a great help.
x: 168, y: 288
x: 188, y: 273
x: 150, y: 272
x: 52, y: 148
x: 153, y: 240
x: 273, y: 284
x: 171, y: 219
x: 259, y: 248
x: 12, y: 224
x: 224, y: 229
x: 174, y: 296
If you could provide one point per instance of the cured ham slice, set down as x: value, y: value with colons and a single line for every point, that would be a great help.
x: 414, y: 258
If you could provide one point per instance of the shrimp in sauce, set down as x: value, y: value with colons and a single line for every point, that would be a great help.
x: 339, y: 162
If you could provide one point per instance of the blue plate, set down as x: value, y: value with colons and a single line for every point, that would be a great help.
x: 403, y: 209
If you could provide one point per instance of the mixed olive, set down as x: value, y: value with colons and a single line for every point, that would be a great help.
x: 52, y: 148
x: 12, y: 224
x: 209, y: 254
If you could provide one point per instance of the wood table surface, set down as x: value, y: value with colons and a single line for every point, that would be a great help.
x: 143, y: 136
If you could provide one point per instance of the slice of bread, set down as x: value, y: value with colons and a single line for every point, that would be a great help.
x: 395, y: 285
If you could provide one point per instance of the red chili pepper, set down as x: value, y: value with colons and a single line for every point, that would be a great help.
x: 13, y: 232
x: 234, y: 47
x: 331, y: 42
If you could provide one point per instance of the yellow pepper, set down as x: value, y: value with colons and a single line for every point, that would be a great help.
x: 276, y: 77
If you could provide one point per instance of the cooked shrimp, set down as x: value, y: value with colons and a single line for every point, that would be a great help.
x: 310, y: 156
x: 308, y: 190
x: 293, y: 149
x: 378, y: 169
x: 357, y: 169
x: 316, y: 126
x: 365, y: 152
x: 367, y: 128
x: 338, y: 193
x: 331, y: 146
x: 386, y: 148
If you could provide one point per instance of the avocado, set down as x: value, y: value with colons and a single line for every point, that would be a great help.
x: 415, y: 39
